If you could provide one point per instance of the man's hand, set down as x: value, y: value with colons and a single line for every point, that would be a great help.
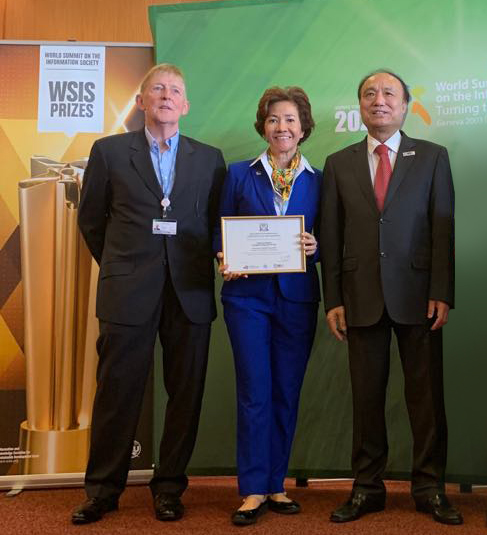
x: 441, y: 308
x: 336, y: 322
x: 223, y: 270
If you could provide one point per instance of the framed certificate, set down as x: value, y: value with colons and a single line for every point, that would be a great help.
x: 263, y: 244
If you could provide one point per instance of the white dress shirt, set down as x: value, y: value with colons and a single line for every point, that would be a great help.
x: 392, y: 144
x: 279, y: 204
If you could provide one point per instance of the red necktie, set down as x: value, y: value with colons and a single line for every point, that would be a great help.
x: 382, y: 175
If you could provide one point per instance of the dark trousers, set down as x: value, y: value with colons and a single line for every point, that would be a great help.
x: 125, y: 359
x: 421, y: 356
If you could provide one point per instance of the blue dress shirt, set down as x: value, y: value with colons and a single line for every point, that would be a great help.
x: 164, y: 162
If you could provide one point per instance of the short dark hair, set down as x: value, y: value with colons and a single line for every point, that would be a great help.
x: 407, y: 95
x: 293, y: 94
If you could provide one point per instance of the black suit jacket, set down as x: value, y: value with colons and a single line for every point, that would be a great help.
x: 399, y: 258
x: 120, y: 197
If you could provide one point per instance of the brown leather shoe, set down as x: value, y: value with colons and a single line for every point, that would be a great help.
x: 168, y: 507
x: 93, y: 510
x: 440, y: 508
x: 359, y: 504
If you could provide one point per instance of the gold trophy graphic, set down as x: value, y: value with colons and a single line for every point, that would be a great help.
x: 59, y: 284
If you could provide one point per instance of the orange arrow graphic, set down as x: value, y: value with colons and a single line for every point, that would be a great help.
x: 418, y: 109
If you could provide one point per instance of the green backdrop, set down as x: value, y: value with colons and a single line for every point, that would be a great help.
x: 230, y: 53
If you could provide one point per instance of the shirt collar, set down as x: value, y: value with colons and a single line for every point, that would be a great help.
x: 303, y: 164
x: 172, y: 142
x: 392, y: 143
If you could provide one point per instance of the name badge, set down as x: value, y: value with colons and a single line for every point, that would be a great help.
x: 409, y: 153
x: 168, y: 227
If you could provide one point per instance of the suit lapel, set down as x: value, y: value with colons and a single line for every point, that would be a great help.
x: 263, y: 187
x: 184, y: 170
x: 300, y: 198
x: 362, y: 173
x: 143, y: 163
x: 401, y: 167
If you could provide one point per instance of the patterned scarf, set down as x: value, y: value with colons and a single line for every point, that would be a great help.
x: 282, y: 179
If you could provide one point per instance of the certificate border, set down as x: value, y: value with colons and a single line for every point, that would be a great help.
x: 259, y: 218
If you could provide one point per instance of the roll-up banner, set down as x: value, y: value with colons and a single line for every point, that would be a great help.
x: 231, y: 52
x: 56, y: 100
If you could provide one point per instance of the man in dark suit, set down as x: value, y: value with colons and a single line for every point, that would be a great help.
x: 387, y: 260
x: 148, y: 203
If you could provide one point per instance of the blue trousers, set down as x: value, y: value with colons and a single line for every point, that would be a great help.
x: 271, y: 339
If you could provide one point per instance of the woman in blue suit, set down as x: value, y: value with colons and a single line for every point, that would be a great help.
x: 271, y: 319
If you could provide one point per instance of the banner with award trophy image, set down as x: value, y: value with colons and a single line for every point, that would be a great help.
x: 56, y: 101
x: 60, y: 327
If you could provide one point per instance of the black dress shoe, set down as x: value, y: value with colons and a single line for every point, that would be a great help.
x: 358, y: 505
x: 441, y: 509
x: 93, y: 509
x: 250, y: 516
x: 168, y: 507
x: 284, y: 508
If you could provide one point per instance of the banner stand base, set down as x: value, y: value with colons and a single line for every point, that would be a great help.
x: 44, y: 481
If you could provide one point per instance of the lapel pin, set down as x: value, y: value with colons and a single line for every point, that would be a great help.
x: 409, y: 153
x: 258, y: 172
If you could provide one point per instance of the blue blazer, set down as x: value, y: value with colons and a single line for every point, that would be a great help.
x: 247, y: 190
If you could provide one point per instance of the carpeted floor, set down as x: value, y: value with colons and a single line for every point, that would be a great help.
x: 209, y: 502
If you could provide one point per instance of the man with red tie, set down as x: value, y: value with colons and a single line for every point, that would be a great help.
x: 388, y: 266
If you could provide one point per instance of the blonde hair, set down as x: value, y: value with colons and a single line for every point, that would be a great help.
x: 161, y: 68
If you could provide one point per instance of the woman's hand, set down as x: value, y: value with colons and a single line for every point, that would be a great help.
x: 223, y: 270
x: 309, y: 243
